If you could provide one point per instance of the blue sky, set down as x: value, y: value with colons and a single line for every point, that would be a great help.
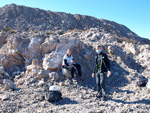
x: 135, y: 14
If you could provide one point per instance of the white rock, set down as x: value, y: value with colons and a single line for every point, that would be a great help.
x: 52, y: 61
x: 48, y: 46
x: 9, y: 84
x: 5, y: 96
x: 61, y: 84
x: 41, y: 82
x: 22, y: 73
x: 34, y: 47
x: 14, y: 73
x: 67, y: 82
x: 20, y: 82
x: 18, y: 72
x: 6, y: 74
x: 67, y: 73
x: 2, y: 70
x: 50, y: 84
x: 148, y: 84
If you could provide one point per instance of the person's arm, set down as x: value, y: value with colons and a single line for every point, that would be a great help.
x: 65, y: 61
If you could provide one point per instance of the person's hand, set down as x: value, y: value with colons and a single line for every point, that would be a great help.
x: 93, y: 75
x: 72, y: 61
x: 109, y: 73
x: 74, y: 66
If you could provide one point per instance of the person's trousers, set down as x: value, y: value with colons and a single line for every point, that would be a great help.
x: 101, y: 83
x: 72, y: 69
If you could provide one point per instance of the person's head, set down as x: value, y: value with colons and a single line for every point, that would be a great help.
x: 98, y: 49
x: 68, y: 52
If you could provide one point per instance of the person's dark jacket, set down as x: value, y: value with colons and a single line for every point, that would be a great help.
x: 101, y: 63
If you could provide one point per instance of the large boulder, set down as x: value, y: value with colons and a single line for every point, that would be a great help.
x: 132, y: 48
x: 49, y: 45
x: 67, y: 73
x: 13, y: 58
x: 52, y: 61
x: 33, y: 50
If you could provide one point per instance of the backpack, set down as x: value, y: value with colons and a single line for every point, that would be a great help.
x: 53, y: 96
x: 142, y: 83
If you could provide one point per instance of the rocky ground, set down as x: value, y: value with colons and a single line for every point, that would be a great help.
x: 30, y: 62
x: 78, y: 98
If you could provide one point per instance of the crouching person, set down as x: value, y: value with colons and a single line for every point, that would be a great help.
x: 68, y: 63
x: 102, y: 66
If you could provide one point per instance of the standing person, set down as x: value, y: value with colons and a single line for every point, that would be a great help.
x: 68, y: 63
x: 102, y: 66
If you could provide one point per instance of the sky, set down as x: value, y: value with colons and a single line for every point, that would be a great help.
x: 134, y: 14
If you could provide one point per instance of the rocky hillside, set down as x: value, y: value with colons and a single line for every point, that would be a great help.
x: 32, y: 44
x: 23, y: 18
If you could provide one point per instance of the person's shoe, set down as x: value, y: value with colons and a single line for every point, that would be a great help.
x: 103, y: 98
x: 74, y: 80
x: 98, y: 96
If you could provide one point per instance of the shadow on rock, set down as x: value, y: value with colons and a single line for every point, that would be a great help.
x: 117, y: 79
x: 143, y: 101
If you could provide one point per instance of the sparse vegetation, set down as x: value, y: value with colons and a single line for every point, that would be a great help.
x: 128, y: 40
x: 36, y: 31
x: 69, y: 31
x: 6, y: 29
x: 49, y: 32
x: 110, y: 28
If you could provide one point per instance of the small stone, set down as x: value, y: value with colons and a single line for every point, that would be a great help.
x: 14, y: 73
x: 22, y: 74
x: 18, y: 72
x: 2, y: 70
x: 60, y: 84
x: 81, y: 96
x: 5, y: 97
x: 50, y: 84
x: 9, y: 84
x: 20, y: 82
x: 18, y: 76
x: 6, y: 74
x: 41, y: 82
x: 67, y: 82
